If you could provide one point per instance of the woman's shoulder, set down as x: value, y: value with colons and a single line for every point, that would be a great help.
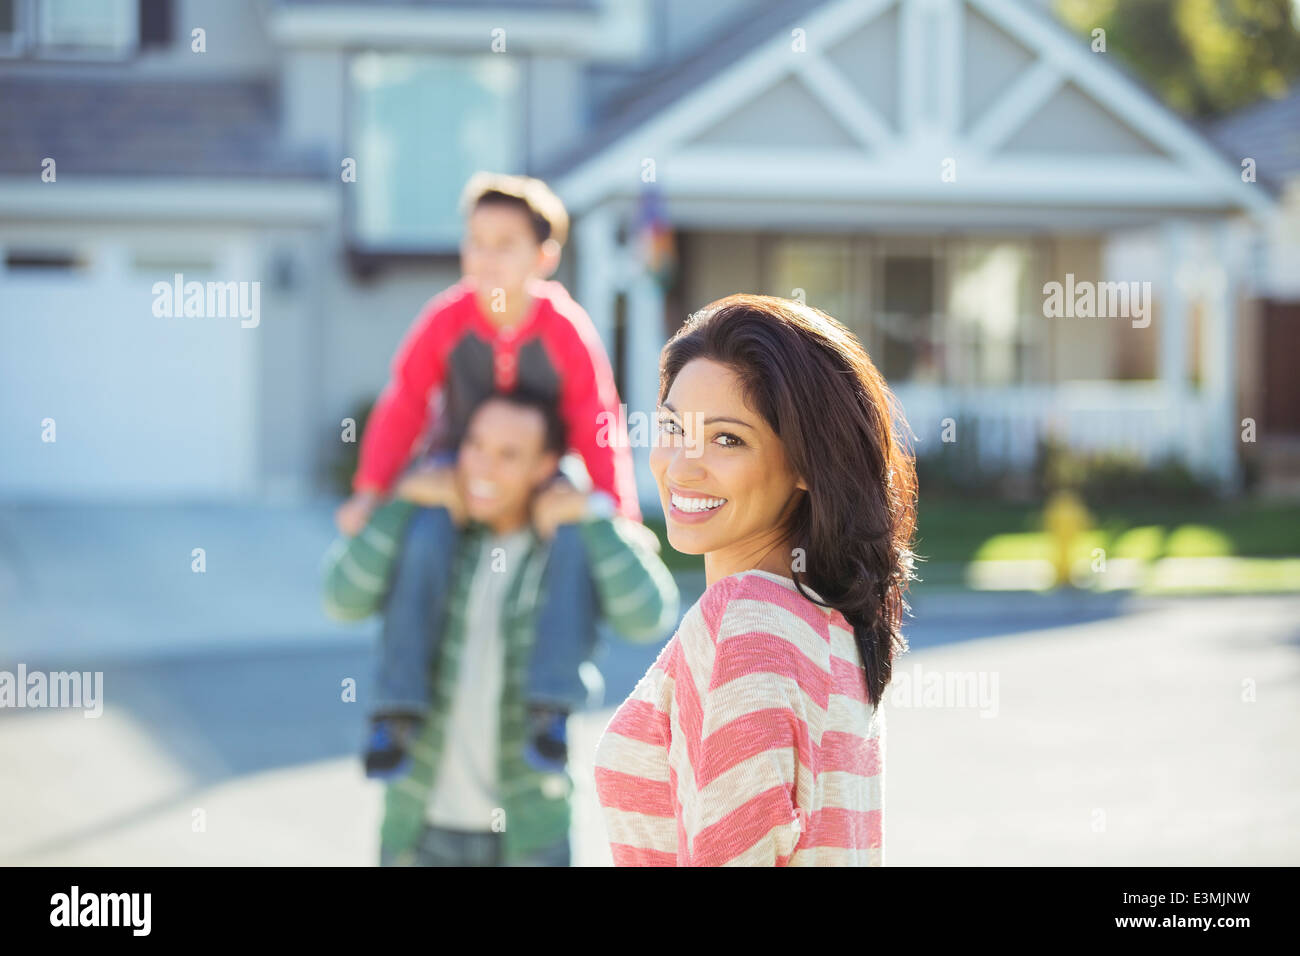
x: 759, y: 616
x: 764, y: 597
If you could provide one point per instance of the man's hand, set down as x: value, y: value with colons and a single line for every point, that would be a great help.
x: 434, y: 486
x: 556, y: 504
x: 354, y: 513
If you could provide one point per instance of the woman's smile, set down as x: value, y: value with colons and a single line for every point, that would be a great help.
x: 692, y: 508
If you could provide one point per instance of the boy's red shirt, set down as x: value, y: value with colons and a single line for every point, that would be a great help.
x: 454, y: 352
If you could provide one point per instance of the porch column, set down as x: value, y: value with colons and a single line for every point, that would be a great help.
x: 597, y: 279
x: 1172, y: 364
x: 645, y: 340
x: 1219, y: 355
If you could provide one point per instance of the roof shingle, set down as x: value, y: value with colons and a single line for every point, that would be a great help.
x: 132, y: 127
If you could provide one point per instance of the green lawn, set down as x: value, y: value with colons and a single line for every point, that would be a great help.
x: 952, y: 533
x: 957, y: 531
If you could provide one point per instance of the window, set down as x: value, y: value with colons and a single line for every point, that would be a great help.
x: 882, y: 291
x: 105, y: 26
x: 165, y: 264
x: 907, y: 344
x: 995, y: 326
x: 69, y: 28
x: 12, y: 26
x: 826, y: 269
x: 44, y: 261
x: 419, y: 126
x: 944, y: 310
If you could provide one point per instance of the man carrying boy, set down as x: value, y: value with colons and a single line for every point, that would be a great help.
x: 501, y: 327
x: 470, y: 798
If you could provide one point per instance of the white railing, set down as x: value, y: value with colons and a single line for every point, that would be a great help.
x: 1146, y: 419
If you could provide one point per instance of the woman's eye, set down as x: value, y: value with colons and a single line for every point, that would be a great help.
x: 670, y: 427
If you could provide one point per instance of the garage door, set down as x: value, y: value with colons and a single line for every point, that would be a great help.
x: 140, y: 406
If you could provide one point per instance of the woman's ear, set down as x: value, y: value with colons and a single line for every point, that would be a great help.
x: 801, y: 484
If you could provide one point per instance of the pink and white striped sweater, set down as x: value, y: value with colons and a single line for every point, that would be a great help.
x: 749, y: 742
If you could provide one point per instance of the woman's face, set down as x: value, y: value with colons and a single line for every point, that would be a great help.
x: 711, y: 448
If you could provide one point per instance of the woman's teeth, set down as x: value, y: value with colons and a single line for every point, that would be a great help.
x: 697, y: 504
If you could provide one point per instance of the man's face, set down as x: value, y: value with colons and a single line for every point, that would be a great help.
x: 502, y: 461
x: 500, y: 249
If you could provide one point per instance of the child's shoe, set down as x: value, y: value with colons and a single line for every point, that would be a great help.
x: 388, y: 750
x: 547, y: 749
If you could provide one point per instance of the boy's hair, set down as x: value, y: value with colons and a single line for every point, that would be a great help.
x: 555, y: 439
x: 532, y: 196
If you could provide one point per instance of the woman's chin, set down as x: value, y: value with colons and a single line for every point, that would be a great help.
x: 685, y: 542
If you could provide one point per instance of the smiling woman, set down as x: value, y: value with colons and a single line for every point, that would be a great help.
x: 796, y: 434
x: 757, y: 738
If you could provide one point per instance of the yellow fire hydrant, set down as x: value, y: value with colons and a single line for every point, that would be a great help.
x: 1065, y: 518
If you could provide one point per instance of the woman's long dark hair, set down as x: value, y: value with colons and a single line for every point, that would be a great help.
x: 817, y: 388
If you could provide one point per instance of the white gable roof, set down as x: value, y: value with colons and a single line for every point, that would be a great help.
x: 941, y: 103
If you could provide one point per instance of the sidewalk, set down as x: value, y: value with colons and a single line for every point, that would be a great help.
x: 119, y: 582
x: 1129, y: 730
x: 1117, y: 742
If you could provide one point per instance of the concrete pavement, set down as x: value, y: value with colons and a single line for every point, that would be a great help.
x: 1156, y: 731
x: 143, y: 580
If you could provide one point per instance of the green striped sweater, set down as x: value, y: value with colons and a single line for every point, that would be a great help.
x: 638, y: 599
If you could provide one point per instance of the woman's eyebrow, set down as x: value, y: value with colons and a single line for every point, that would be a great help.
x: 710, y: 421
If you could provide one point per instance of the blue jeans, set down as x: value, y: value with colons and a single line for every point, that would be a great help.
x: 416, y: 607
x: 439, y: 846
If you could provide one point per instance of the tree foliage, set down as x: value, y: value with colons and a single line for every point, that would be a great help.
x: 1202, y: 57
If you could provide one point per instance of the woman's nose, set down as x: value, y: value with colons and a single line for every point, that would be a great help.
x: 683, y: 468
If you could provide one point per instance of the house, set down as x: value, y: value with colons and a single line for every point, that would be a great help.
x: 924, y: 170
x: 1269, y: 133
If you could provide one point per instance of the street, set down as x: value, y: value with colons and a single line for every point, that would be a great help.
x: 1154, y: 732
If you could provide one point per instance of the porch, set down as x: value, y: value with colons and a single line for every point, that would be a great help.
x: 957, y: 324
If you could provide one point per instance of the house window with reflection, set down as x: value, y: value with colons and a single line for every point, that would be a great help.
x: 419, y: 126
x: 69, y: 28
x: 942, y: 310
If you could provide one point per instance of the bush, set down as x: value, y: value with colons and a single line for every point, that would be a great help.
x: 343, y: 462
x: 955, y: 470
x: 1105, y: 477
